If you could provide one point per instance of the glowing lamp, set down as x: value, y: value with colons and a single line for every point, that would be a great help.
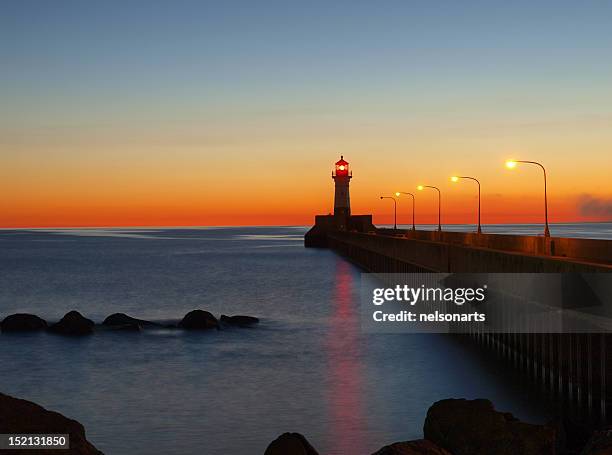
x: 511, y: 164
x: 420, y: 187
x: 454, y: 179
x: 397, y: 194
x: 342, y: 167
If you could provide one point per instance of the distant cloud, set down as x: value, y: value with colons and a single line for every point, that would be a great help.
x: 593, y: 206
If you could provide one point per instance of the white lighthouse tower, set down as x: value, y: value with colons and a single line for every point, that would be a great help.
x: 342, y: 219
x: 342, y: 201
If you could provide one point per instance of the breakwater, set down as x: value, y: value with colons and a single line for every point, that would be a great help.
x: 388, y: 251
x: 573, y: 369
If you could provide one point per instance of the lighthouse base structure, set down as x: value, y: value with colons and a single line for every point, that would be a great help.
x: 324, y: 225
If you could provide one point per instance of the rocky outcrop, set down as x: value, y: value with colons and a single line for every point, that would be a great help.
x: 239, y: 320
x: 122, y: 321
x: 572, y: 435
x: 199, y: 320
x: 21, y: 416
x: 22, y: 322
x: 418, y: 447
x: 599, y: 444
x: 474, y: 427
x: 73, y: 323
x: 290, y: 444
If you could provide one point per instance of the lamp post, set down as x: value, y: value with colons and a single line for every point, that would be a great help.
x: 455, y: 179
x: 420, y: 188
x: 511, y: 164
x: 394, y: 210
x: 410, y: 194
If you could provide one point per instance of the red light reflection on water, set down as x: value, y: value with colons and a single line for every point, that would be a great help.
x: 345, y: 380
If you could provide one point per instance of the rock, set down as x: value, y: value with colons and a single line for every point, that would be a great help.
x: 21, y: 416
x: 242, y: 321
x: 199, y: 320
x: 474, y: 427
x: 73, y: 323
x: 290, y: 444
x: 599, y: 444
x: 572, y: 435
x: 122, y: 319
x: 418, y: 447
x: 22, y: 322
x: 125, y: 328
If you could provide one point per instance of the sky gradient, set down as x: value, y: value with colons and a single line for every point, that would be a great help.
x: 222, y: 113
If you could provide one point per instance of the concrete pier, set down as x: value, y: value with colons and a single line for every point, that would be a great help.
x: 397, y: 251
x: 574, y: 370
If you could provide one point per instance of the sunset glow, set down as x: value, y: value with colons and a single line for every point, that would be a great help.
x: 124, y: 126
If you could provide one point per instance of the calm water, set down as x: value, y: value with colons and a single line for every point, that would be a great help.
x: 306, y: 368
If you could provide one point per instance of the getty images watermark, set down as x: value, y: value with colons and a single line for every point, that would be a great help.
x: 423, y: 295
x: 486, y: 303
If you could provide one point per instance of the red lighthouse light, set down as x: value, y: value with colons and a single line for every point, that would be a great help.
x: 342, y: 167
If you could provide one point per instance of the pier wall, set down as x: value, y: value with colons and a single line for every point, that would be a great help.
x: 398, y: 254
x: 574, y: 370
x: 592, y: 250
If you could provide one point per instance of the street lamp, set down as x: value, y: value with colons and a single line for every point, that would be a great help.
x: 511, y: 164
x: 394, y: 210
x: 421, y: 187
x: 455, y: 179
x: 410, y: 194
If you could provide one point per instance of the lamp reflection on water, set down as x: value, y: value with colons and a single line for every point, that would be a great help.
x: 345, y: 385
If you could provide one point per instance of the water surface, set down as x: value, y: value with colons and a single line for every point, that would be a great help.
x: 306, y: 367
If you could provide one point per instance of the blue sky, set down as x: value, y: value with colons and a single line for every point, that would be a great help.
x: 299, y: 55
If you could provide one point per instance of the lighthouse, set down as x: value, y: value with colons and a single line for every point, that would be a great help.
x: 342, y: 201
x: 326, y: 226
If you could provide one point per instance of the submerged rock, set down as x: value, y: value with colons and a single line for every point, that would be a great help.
x: 199, y: 320
x: 474, y: 427
x: 290, y: 444
x: 122, y: 320
x: 22, y: 322
x: 243, y: 321
x: 417, y: 447
x: 124, y: 328
x: 73, y: 323
x: 24, y: 417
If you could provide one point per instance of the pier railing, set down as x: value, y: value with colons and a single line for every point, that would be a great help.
x: 589, y: 250
x: 399, y: 254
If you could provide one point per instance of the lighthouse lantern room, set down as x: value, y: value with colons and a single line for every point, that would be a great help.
x: 342, y: 201
x: 342, y: 167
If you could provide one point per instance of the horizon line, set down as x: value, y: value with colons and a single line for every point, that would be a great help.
x: 203, y: 226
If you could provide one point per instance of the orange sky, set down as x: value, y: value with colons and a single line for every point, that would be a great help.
x: 56, y: 184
